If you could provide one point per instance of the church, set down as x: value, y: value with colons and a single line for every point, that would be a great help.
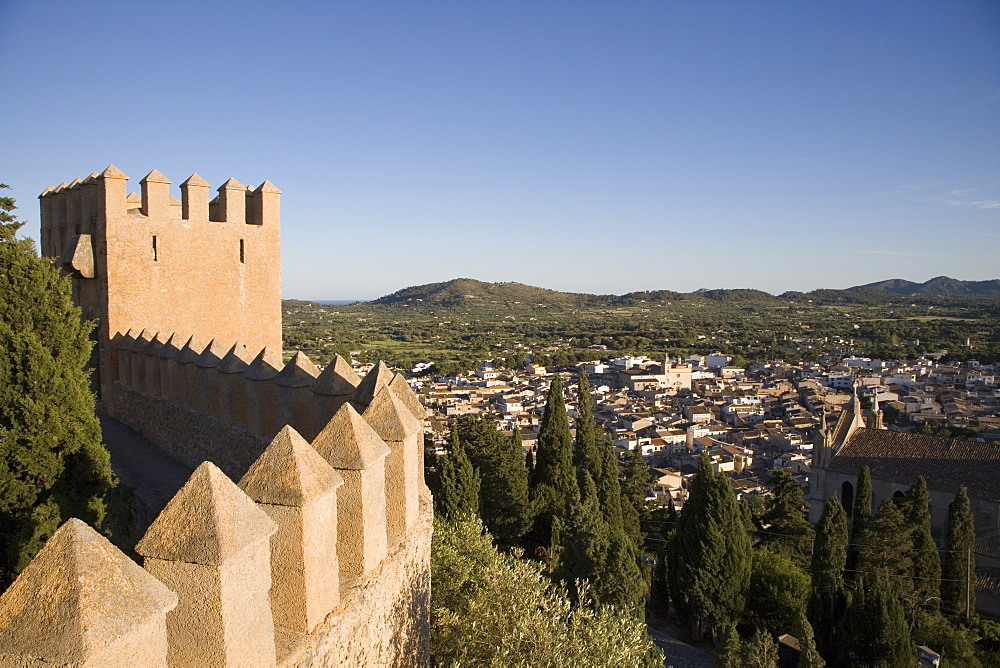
x: 896, y: 460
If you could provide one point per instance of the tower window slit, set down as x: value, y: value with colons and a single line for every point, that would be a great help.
x: 242, y: 254
x: 156, y: 255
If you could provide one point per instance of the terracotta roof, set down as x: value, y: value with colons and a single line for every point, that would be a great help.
x: 946, y: 463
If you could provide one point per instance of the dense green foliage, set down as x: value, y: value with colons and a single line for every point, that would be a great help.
x: 788, y: 532
x: 777, y: 594
x: 458, y: 483
x: 925, y: 561
x: 828, y: 598
x: 553, y: 485
x: 873, y: 631
x: 504, y: 504
x: 710, y: 555
x: 491, y: 608
x: 53, y: 465
x: 958, y: 574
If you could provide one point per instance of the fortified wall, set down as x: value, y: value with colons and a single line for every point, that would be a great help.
x: 303, y: 535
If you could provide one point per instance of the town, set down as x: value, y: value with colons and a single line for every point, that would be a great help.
x: 749, y: 421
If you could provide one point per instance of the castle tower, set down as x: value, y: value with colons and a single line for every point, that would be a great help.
x: 190, y: 266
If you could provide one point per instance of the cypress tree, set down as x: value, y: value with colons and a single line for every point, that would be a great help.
x: 809, y: 656
x: 958, y: 576
x: 875, y: 626
x: 554, y: 486
x: 828, y: 599
x: 583, y: 541
x: 861, y: 514
x: 585, y: 451
x: 925, y: 568
x: 620, y: 582
x: 761, y: 651
x: 635, y: 481
x: 789, y: 533
x: 709, y: 558
x: 53, y: 465
x: 731, y: 652
x: 887, y: 546
x: 503, y: 493
x: 458, y: 489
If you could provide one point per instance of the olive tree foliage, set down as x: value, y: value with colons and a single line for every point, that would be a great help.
x: 53, y: 465
x: 495, y: 609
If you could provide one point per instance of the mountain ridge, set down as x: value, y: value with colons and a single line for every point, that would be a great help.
x: 467, y: 291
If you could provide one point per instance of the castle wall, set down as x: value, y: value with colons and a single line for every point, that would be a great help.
x: 208, y: 269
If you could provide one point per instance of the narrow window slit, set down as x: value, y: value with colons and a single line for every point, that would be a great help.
x: 242, y: 254
x: 156, y: 256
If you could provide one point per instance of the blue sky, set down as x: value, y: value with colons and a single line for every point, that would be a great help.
x: 582, y: 146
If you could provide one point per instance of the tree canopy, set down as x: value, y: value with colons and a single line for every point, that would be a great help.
x: 53, y: 465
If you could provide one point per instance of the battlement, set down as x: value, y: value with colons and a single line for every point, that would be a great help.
x: 291, y: 566
x: 208, y: 267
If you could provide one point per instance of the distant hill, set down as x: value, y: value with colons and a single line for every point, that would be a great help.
x: 942, y: 286
x: 468, y: 292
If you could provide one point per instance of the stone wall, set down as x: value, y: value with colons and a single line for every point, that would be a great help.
x: 270, y: 571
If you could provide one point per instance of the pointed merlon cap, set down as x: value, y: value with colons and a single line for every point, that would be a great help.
x: 265, y: 366
x: 92, y: 179
x: 373, y: 381
x: 209, y: 521
x: 232, y: 184
x: 47, y: 191
x: 77, y: 596
x: 402, y: 389
x: 62, y: 187
x: 76, y: 183
x: 338, y: 378
x: 126, y: 340
x: 156, y: 345
x: 236, y: 360
x: 154, y: 177
x: 141, y: 342
x: 389, y: 417
x: 113, y: 172
x: 299, y: 372
x: 195, y: 180
x: 191, y: 351
x: 348, y: 442
x: 289, y: 473
x: 268, y: 187
x: 133, y: 198
x: 170, y: 349
x: 174, y: 201
x: 212, y: 355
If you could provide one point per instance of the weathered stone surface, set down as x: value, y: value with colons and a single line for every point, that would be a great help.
x: 209, y: 521
x: 82, y: 602
x: 405, y: 393
x: 374, y: 380
x: 299, y: 372
x: 289, y: 472
x: 295, y: 486
x: 337, y: 378
x: 349, y: 442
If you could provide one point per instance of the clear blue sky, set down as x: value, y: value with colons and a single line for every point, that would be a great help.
x: 582, y: 146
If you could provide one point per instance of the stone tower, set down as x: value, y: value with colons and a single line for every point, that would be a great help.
x: 208, y: 268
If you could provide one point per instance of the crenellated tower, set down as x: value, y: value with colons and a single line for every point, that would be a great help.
x: 147, y: 260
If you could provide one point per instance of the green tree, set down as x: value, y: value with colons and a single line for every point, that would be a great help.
x: 828, y: 600
x: 888, y: 546
x: 503, y: 493
x: 861, y: 515
x: 635, y: 480
x: 809, y: 656
x: 761, y: 651
x: 925, y: 562
x: 53, y: 465
x: 580, y: 539
x: 493, y: 608
x: 731, y: 651
x: 958, y: 576
x: 659, y: 591
x: 788, y: 531
x: 458, y: 488
x: 778, y: 593
x: 875, y: 626
x: 554, y: 485
x: 710, y: 555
